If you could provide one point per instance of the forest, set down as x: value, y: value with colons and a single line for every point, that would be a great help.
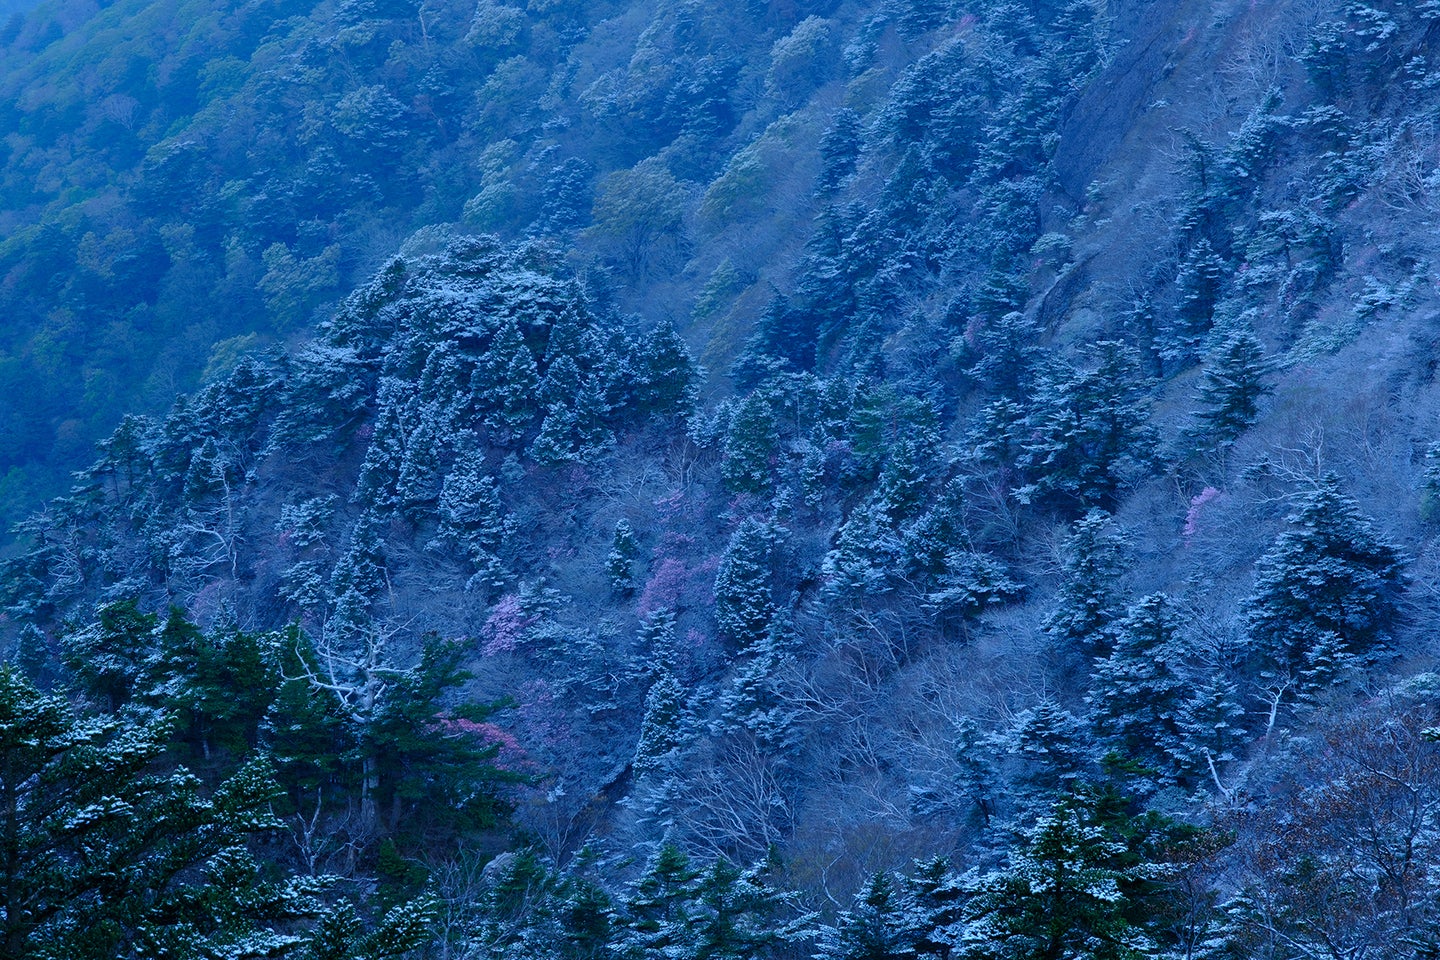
x: 854, y: 479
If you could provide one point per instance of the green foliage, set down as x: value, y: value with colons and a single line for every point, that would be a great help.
x: 109, y: 858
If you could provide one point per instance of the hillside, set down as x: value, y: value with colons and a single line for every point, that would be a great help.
x: 970, y: 465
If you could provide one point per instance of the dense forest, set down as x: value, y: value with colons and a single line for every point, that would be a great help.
x: 858, y: 479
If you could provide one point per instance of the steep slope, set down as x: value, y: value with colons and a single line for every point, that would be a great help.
x: 1064, y: 471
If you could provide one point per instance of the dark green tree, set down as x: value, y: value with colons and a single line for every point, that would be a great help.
x: 104, y: 856
x: 107, y: 658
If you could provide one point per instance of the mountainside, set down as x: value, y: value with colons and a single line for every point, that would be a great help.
x: 971, y: 463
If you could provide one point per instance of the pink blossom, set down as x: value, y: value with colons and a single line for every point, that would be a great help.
x: 664, y: 588
x: 505, y: 626
x: 1197, y: 505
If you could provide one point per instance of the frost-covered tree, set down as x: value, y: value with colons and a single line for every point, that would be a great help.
x: 620, y: 561
x: 1327, y: 592
x: 1136, y: 697
x: 1089, y: 431
x: 661, y: 724
x: 1233, y: 386
x: 752, y: 443
x: 1087, y: 881
x: 744, y: 605
x: 1197, y: 286
x: 106, y: 855
x: 1089, y: 605
x: 472, y: 520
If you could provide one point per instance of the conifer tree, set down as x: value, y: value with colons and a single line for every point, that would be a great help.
x: 505, y: 386
x: 107, y: 658
x: 1211, y: 727
x: 473, y: 520
x: 1089, y: 432
x: 1198, y: 290
x: 1088, y: 605
x: 1327, y: 593
x: 744, y: 607
x: 1136, y: 698
x: 751, y: 443
x: 1054, y: 749
x: 757, y: 700
x: 660, y: 727
x: 876, y: 927
x: 1233, y: 387
x: 32, y: 656
x: 620, y: 561
x: 665, y: 382
x: 660, y: 912
x: 1069, y: 889
x: 105, y: 857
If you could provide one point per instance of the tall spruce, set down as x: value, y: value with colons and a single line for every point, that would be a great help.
x: 1326, y: 594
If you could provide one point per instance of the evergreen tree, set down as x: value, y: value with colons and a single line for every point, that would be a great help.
x: 505, y: 385
x: 107, y: 858
x: 1327, y: 593
x: 1053, y: 747
x: 660, y: 914
x: 876, y: 927
x: 1136, y: 697
x: 32, y: 656
x: 1211, y: 727
x: 620, y: 562
x: 757, y: 700
x: 1088, y: 605
x: 751, y: 444
x: 473, y: 521
x: 665, y: 383
x: 107, y: 659
x: 1074, y: 887
x: 1090, y: 432
x: 1231, y: 392
x: 660, y: 727
x: 744, y: 607
x: 1197, y: 291
x: 839, y: 149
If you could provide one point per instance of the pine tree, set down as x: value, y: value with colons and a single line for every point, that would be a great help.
x: 758, y: 700
x: 1197, y: 291
x: 505, y: 386
x: 665, y: 385
x: 1327, y: 593
x: 107, y: 658
x: 620, y: 562
x: 473, y: 520
x: 876, y: 927
x: 1211, y: 728
x: 659, y: 919
x: 744, y: 607
x: 1233, y: 387
x: 1088, y: 605
x: 106, y: 857
x: 1054, y: 749
x: 32, y: 656
x: 1072, y: 888
x: 1090, y: 432
x: 1136, y: 697
x: 660, y: 727
x: 751, y: 444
